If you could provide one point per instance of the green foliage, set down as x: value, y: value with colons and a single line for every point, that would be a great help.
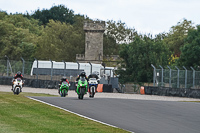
x: 59, y: 41
x: 110, y: 47
x: 138, y: 57
x: 176, y: 36
x: 57, y: 13
x: 190, y: 52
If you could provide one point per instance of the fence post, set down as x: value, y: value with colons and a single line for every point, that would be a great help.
x: 193, y: 76
x: 51, y: 68
x: 37, y: 73
x: 7, y: 64
x: 162, y: 74
x: 23, y: 66
x: 104, y: 66
x: 185, y: 77
x: 78, y: 66
x: 64, y: 67
x: 177, y: 77
x: 91, y: 67
x: 154, y: 74
x: 170, y: 76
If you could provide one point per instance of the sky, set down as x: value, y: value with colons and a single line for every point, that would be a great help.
x: 146, y: 16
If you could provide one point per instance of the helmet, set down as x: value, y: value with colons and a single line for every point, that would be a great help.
x: 82, y: 73
x: 64, y: 77
x: 19, y: 73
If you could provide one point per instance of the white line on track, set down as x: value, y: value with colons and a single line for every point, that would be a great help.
x: 75, y: 113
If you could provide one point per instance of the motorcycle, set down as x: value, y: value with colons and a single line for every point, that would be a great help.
x: 82, y: 87
x: 64, y: 87
x: 93, y: 83
x: 17, y: 86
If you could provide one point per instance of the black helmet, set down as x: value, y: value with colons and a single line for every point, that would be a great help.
x: 82, y: 73
x: 19, y: 73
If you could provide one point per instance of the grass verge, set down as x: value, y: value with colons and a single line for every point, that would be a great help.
x: 19, y: 114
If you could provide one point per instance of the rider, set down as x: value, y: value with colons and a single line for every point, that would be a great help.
x: 18, y: 75
x: 93, y: 75
x: 61, y: 80
x: 83, y: 74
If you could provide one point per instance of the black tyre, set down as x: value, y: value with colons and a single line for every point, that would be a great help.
x: 17, y: 90
x: 64, y: 93
x: 82, y: 92
x: 92, y: 91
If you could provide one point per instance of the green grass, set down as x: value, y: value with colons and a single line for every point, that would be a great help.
x: 19, y: 114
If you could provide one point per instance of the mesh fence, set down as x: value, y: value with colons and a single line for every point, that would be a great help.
x: 10, y: 67
x: 176, y: 78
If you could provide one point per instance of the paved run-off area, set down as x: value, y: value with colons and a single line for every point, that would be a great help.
x: 72, y: 93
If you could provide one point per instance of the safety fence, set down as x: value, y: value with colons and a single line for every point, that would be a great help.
x: 176, y: 78
x: 11, y: 67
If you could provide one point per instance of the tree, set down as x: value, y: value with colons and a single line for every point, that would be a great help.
x: 176, y: 36
x: 59, y: 41
x: 57, y: 13
x: 138, y: 57
x: 190, y: 52
x: 17, y: 38
x: 119, y: 32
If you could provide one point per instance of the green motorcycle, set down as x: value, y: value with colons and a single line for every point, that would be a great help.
x: 64, y: 87
x: 82, y: 87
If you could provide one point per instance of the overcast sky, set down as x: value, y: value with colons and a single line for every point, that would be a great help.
x: 146, y: 16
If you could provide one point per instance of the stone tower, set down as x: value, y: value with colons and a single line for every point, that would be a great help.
x: 94, y: 41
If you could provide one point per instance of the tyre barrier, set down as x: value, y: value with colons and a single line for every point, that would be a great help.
x: 166, y: 91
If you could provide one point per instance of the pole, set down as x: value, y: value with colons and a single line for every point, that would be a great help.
x: 162, y: 74
x: 177, y: 77
x: 64, y: 67
x: 104, y: 65
x: 193, y: 76
x: 185, y: 77
x: 23, y: 66
x: 78, y: 66
x: 154, y: 74
x: 170, y: 76
x: 90, y: 67
x: 51, y: 68
x: 7, y: 64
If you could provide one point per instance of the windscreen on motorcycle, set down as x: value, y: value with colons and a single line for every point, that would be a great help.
x: 92, y: 79
x: 19, y: 79
x: 64, y: 82
x: 82, y: 79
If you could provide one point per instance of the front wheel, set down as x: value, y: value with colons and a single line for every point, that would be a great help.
x: 63, y: 93
x: 81, y: 94
x: 16, y: 90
